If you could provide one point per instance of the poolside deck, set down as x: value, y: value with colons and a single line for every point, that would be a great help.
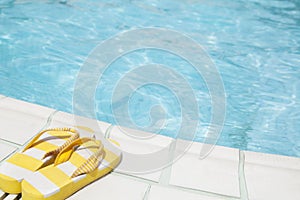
x: 226, y: 173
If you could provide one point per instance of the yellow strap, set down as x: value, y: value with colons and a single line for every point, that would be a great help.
x: 59, y: 130
x: 59, y: 149
x: 90, y: 164
x: 66, y: 153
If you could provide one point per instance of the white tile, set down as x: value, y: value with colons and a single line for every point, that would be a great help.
x: 159, y: 193
x: 112, y: 187
x: 142, y: 152
x: 19, y: 120
x: 272, y: 176
x: 147, y: 142
x: 272, y: 160
x: 217, y: 173
x: 5, y: 150
x: 25, y: 107
x: 62, y: 119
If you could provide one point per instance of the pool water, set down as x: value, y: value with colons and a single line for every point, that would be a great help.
x: 255, y: 45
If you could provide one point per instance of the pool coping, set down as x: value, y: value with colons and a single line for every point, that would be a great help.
x: 227, y: 173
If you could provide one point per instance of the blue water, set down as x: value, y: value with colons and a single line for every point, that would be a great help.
x: 255, y: 45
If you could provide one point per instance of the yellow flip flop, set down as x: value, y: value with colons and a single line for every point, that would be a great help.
x: 79, y: 164
x: 39, y: 152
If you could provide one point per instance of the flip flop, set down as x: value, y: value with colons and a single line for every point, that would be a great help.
x: 39, y: 152
x: 79, y: 164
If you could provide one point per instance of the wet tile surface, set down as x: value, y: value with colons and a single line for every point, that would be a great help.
x: 272, y: 176
x: 19, y: 120
x: 87, y: 127
x: 140, y: 151
x: 217, y: 173
x: 113, y: 187
x: 158, y: 193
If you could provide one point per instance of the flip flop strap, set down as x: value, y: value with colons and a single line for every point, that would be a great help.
x: 59, y: 149
x: 91, y: 164
x: 73, y: 137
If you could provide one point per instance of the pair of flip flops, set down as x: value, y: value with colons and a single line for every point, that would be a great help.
x: 56, y: 163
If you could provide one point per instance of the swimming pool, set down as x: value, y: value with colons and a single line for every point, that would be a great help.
x: 254, y: 44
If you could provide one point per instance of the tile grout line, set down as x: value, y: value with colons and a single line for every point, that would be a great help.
x: 108, y: 131
x: 10, y: 143
x: 165, y: 175
x: 146, y: 196
x: 242, y: 179
x: 8, y: 156
x: 49, y: 119
x: 203, y: 192
x: 132, y: 177
x: 195, y: 191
